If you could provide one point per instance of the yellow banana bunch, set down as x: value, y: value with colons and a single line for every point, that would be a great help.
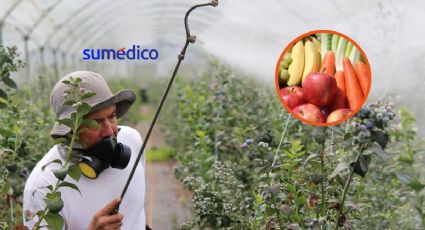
x: 312, y: 59
x: 297, y: 66
x: 317, y: 44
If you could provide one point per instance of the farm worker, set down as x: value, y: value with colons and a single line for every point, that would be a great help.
x: 105, y: 156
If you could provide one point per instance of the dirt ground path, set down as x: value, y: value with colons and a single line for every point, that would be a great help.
x: 167, y: 203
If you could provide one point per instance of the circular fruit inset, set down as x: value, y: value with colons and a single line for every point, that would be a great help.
x: 323, y: 77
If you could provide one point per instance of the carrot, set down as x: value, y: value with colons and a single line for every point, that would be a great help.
x: 340, y: 80
x: 339, y: 102
x: 363, y: 75
x: 328, y: 65
x: 352, y: 85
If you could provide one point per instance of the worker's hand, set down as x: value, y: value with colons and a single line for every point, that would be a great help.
x: 103, y: 218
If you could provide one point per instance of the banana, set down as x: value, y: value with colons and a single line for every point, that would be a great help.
x: 317, y: 44
x: 296, y: 68
x: 312, y: 59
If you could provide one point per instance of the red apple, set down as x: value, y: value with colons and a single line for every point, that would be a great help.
x: 339, y: 102
x: 319, y: 89
x: 309, y: 112
x: 338, y: 115
x: 293, y: 96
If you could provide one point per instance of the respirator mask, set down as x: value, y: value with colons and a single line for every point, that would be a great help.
x: 105, y: 153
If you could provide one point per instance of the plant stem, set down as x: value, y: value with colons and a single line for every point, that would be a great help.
x: 323, y: 172
x: 271, y: 168
x: 277, y: 211
x: 280, y: 142
x: 15, y: 154
x: 56, y: 187
x: 418, y: 206
x: 11, y: 209
x: 344, y: 193
x: 346, y: 127
x: 279, y: 218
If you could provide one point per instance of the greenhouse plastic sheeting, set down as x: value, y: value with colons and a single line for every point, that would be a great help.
x: 246, y: 34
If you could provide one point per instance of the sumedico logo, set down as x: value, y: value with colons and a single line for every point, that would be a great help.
x: 135, y: 52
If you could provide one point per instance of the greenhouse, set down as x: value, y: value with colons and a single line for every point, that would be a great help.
x: 212, y: 114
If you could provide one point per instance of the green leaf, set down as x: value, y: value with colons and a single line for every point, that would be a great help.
x: 84, y: 108
x: 338, y: 169
x: 52, y: 195
x: 68, y: 122
x: 406, y: 159
x: 416, y: 185
x: 39, y: 213
x: 361, y: 166
x: 3, y: 95
x: 4, y: 189
x: 296, y: 146
x: 404, y: 178
x: 90, y: 123
x: 87, y: 95
x: 312, y: 155
x: 73, y: 116
x: 258, y: 199
x: 3, y: 100
x: 60, y: 173
x: 74, y: 172
x: 58, y: 161
x: 69, y: 102
x: 381, y: 138
x: 291, y: 189
x: 50, y: 187
x: 3, y: 103
x: 70, y: 185
x: 300, y: 200
x: 54, y: 220
x: 5, y: 71
x: 3, y: 225
x: 9, y: 82
x: 378, y: 150
x: 66, y: 82
x: 269, y: 211
x: 60, y: 140
x: 347, y: 136
x: 54, y: 202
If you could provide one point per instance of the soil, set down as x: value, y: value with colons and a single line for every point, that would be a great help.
x: 167, y: 203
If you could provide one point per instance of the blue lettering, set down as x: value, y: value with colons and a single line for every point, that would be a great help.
x: 153, y: 51
x: 108, y: 52
x: 86, y: 54
x: 98, y: 54
x: 121, y: 54
x: 132, y: 50
x: 135, y: 52
x: 143, y: 54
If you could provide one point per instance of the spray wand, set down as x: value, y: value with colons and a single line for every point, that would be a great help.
x: 189, y: 39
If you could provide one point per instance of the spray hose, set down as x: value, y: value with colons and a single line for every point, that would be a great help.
x: 189, y: 39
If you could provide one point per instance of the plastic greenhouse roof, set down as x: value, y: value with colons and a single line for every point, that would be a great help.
x: 246, y: 34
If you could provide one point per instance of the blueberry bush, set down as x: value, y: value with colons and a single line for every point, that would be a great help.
x: 251, y: 165
x: 21, y: 112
